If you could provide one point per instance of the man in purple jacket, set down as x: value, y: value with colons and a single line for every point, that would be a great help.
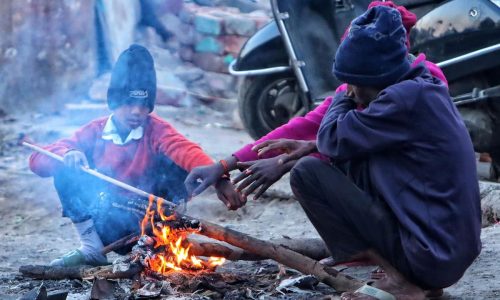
x: 262, y: 158
x: 401, y: 185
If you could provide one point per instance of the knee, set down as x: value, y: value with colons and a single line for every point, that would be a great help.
x: 303, y: 170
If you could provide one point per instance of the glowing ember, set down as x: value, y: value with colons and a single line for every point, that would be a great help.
x: 173, y: 253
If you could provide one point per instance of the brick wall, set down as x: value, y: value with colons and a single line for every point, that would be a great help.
x: 209, y: 38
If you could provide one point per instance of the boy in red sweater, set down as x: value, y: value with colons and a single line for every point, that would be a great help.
x: 133, y: 146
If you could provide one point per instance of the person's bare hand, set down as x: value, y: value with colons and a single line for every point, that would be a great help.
x: 260, y: 174
x: 75, y: 159
x: 228, y: 195
x: 200, y: 178
x: 293, y: 149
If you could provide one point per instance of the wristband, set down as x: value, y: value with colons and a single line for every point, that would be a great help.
x: 224, y: 166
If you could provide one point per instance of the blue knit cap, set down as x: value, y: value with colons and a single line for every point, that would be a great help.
x: 133, y: 79
x: 374, y: 52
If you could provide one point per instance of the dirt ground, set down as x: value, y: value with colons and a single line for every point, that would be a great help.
x: 32, y: 231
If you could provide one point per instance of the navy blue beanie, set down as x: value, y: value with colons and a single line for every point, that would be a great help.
x: 133, y: 79
x: 374, y: 52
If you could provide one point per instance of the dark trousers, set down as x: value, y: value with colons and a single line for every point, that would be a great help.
x: 115, y: 212
x: 346, y: 211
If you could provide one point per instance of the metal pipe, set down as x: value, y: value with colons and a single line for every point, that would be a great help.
x: 101, y: 176
x: 468, y: 56
x: 296, y: 64
x: 255, y: 72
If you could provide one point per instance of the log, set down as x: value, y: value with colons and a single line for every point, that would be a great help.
x: 123, y: 242
x: 313, y: 248
x: 281, y: 254
x: 79, y: 272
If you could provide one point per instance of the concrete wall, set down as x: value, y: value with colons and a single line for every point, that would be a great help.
x: 47, y: 52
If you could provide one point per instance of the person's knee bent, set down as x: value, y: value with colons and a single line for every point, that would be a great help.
x: 304, y: 169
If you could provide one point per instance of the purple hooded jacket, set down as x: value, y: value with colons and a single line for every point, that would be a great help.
x: 422, y: 163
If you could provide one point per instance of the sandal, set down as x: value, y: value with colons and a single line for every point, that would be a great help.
x: 375, y: 292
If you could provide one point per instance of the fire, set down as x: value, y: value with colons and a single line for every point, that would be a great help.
x: 173, y: 254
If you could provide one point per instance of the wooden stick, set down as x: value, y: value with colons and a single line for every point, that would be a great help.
x: 312, y: 248
x: 101, y: 176
x: 79, y: 272
x: 123, y: 242
x: 283, y: 255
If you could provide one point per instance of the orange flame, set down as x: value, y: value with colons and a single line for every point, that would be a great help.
x: 175, y: 256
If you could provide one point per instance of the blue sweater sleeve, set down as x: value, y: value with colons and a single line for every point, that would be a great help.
x: 346, y: 133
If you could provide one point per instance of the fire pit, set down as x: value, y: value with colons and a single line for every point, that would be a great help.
x: 165, y: 261
x: 166, y: 250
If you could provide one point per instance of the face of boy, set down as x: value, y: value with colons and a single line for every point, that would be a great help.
x: 130, y: 116
x: 362, y: 95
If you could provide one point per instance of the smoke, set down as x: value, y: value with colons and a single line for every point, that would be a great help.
x: 46, y: 49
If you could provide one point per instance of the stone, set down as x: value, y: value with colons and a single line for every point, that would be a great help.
x: 260, y: 17
x: 490, y: 206
x: 163, y: 57
x: 210, y: 3
x: 172, y: 23
x: 209, y: 62
x: 99, y: 88
x: 169, y: 6
x: 172, y: 97
x: 170, y: 89
x: 229, y: 58
x: 244, y: 6
x: 148, y: 37
x: 186, y: 35
x: 186, y: 53
x: 187, y: 14
x: 207, y: 23
x: 188, y: 74
x: 261, y: 22
x: 219, y: 83
x: 233, y: 43
x: 240, y: 25
x: 209, y: 44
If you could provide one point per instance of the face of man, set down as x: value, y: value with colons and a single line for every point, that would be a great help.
x: 130, y: 116
x: 362, y: 95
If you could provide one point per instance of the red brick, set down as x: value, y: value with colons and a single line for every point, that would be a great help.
x: 233, y: 43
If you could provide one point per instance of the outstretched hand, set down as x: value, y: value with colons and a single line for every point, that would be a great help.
x: 228, y: 195
x: 260, y: 174
x: 200, y: 178
x: 75, y: 159
x: 293, y: 149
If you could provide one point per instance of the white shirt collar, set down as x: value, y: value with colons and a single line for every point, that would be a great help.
x: 111, y: 133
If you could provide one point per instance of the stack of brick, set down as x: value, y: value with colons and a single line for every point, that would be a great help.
x: 217, y: 34
x: 211, y: 37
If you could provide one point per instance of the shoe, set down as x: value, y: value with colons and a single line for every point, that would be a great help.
x: 77, y: 258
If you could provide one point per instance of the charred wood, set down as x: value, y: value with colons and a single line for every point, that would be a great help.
x: 80, y: 272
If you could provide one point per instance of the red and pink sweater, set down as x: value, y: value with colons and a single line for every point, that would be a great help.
x: 131, y: 163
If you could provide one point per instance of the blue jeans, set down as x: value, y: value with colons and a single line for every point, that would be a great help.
x: 116, y: 213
